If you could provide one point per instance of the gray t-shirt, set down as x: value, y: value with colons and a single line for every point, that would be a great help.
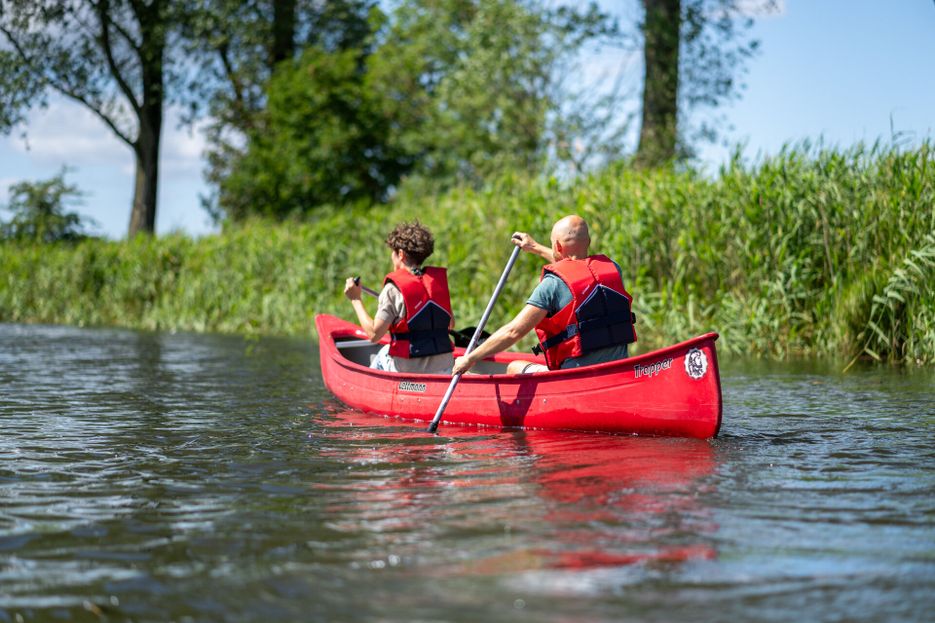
x: 553, y: 295
x: 391, y: 307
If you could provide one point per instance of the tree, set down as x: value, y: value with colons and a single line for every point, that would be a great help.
x: 111, y: 56
x: 694, y: 52
x: 473, y: 84
x: 237, y: 47
x: 322, y: 139
x: 662, y: 35
x: 39, y: 212
x: 444, y: 91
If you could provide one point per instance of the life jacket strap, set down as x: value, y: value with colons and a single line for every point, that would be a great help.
x: 569, y: 332
x: 410, y: 335
x: 566, y: 334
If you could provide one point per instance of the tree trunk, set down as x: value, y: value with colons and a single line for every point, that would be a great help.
x: 283, y: 44
x: 143, y: 214
x: 149, y: 113
x: 658, y: 132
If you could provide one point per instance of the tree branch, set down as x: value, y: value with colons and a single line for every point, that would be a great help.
x: 123, y: 32
x: 111, y: 62
x: 236, y: 86
x: 100, y: 114
x: 58, y: 85
x: 20, y: 51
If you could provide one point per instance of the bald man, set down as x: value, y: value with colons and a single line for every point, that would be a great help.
x: 580, y: 309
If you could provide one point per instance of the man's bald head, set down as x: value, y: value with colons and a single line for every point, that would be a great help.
x: 570, y: 237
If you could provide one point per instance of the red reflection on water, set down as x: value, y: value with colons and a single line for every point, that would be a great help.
x: 597, y: 500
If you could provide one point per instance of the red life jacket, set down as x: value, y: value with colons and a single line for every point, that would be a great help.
x: 424, y: 330
x: 598, y: 315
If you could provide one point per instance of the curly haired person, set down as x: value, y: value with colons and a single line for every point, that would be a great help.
x: 414, y: 306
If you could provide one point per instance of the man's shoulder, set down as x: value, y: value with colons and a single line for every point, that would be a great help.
x: 611, y: 260
x: 552, y: 283
x: 550, y: 294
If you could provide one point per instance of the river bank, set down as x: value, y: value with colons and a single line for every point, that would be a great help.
x: 812, y: 252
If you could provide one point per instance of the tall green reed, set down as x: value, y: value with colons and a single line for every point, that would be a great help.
x: 783, y: 257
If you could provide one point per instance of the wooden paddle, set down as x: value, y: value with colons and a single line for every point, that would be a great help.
x: 477, y: 333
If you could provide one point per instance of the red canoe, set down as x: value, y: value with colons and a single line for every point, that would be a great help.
x: 673, y: 391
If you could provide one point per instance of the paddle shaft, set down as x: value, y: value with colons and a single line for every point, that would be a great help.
x: 365, y: 288
x: 477, y: 333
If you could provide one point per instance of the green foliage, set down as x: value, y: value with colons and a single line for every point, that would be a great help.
x: 39, y: 214
x: 475, y: 83
x: 803, y: 253
x: 891, y: 330
x: 19, y: 89
x: 237, y: 47
x: 320, y: 140
x: 468, y: 81
x: 445, y: 92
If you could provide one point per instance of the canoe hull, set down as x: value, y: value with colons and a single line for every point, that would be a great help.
x: 674, y: 391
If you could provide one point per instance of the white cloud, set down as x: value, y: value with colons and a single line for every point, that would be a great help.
x: 182, y: 148
x: 69, y: 132
x: 103, y: 167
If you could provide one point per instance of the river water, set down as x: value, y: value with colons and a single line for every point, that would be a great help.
x: 180, y: 477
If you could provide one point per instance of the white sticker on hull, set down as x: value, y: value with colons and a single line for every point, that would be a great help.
x: 409, y: 386
x: 696, y: 363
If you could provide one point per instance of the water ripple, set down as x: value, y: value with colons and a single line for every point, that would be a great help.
x: 154, y: 477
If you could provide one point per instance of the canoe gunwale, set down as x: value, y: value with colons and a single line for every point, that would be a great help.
x: 653, y: 393
x: 600, y: 369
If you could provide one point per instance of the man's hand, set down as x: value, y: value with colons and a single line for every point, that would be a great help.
x: 462, y: 365
x: 528, y: 244
x: 524, y: 241
x: 351, y: 289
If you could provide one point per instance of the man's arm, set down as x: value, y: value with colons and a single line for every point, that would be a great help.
x: 503, y: 338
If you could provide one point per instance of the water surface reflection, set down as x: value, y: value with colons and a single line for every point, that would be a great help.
x: 181, y: 477
x: 539, y: 499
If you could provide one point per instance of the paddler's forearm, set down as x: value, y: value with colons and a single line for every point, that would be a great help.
x: 544, y: 252
x: 502, y: 339
x: 509, y: 334
x: 363, y: 318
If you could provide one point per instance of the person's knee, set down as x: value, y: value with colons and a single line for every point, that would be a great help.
x: 515, y: 367
x: 383, y: 360
x: 524, y: 367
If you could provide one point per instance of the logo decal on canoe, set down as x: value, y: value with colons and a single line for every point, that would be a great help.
x: 696, y: 363
x: 651, y: 369
x: 409, y: 386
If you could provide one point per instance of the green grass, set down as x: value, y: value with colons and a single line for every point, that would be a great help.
x: 813, y: 252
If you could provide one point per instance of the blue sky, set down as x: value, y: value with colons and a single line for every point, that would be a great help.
x: 841, y: 70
